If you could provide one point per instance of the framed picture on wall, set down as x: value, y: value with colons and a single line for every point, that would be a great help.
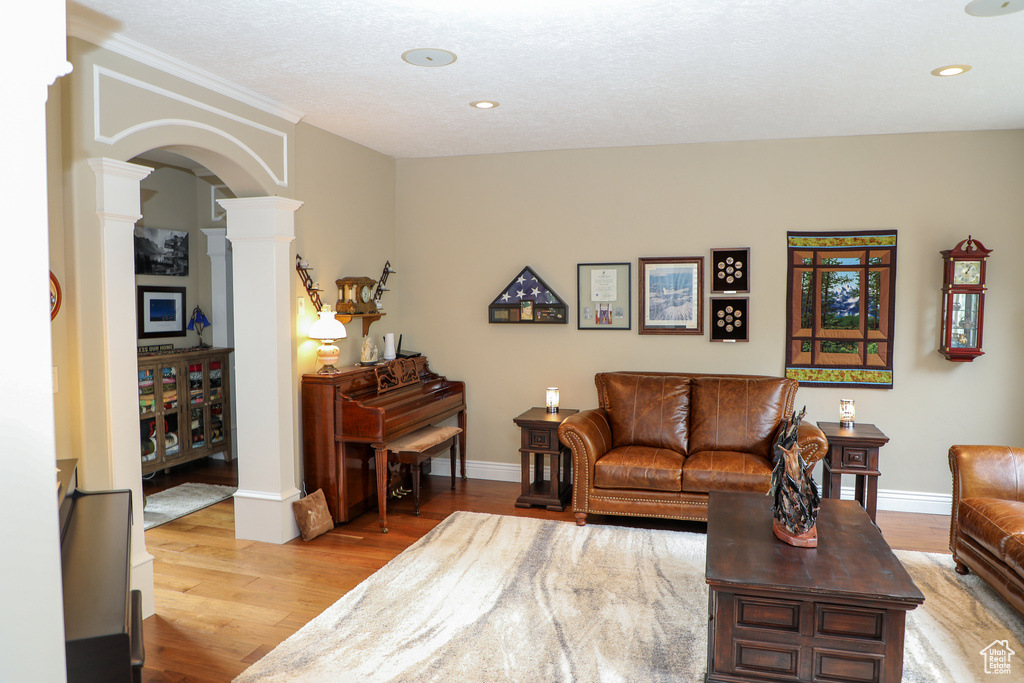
x: 730, y: 270
x: 672, y: 295
x: 730, y: 319
x: 161, y: 311
x: 161, y: 252
x: 603, y: 292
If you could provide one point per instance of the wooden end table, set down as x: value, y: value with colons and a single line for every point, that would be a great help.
x: 540, y: 438
x: 853, y: 450
x: 836, y: 612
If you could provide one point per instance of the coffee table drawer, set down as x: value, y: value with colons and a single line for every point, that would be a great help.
x: 773, y: 615
x: 838, y: 665
x: 755, y: 637
x: 840, y: 621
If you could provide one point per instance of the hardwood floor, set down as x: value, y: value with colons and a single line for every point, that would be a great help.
x: 223, y: 603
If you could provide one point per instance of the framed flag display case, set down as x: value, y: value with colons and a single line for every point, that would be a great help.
x: 528, y: 299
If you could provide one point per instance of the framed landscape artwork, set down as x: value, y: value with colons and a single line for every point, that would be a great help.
x: 161, y: 311
x: 161, y: 252
x: 603, y: 292
x: 672, y: 295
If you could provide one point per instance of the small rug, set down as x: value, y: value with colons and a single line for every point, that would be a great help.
x: 494, y: 598
x: 181, y: 500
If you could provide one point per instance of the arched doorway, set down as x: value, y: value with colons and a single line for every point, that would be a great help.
x: 260, y: 230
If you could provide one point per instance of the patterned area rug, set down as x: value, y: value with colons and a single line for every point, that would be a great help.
x: 495, y: 598
x: 181, y: 500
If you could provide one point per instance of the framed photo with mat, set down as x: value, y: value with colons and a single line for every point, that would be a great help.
x: 603, y: 293
x: 161, y: 311
x: 672, y: 295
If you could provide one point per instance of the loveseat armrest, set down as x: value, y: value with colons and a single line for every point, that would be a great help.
x: 588, y: 435
x: 983, y: 472
x: 812, y: 444
x: 987, y: 472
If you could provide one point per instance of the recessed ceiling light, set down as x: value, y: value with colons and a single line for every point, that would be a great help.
x: 429, y: 56
x: 951, y: 70
x: 484, y: 104
x: 993, y: 8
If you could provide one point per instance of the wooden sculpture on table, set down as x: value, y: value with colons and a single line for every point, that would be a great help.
x: 795, y: 499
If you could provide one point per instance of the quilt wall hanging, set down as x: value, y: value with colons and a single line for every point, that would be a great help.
x: 840, y: 320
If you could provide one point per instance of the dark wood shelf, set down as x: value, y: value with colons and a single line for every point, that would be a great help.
x: 368, y: 319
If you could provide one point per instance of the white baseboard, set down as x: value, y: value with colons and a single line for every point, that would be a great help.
x: 909, y: 501
x: 888, y: 499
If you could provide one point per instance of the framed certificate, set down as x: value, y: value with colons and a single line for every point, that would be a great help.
x: 603, y: 292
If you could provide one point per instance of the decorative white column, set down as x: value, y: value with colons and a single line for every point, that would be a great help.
x: 118, y: 207
x: 261, y: 230
x: 220, y: 282
x: 32, y: 626
x: 222, y: 320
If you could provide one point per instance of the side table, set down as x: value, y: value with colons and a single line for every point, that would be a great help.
x: 853, y: 450
x: 540, y: 438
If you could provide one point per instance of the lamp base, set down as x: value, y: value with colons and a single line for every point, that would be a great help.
x: 552, y: 409
x: 327, y: 355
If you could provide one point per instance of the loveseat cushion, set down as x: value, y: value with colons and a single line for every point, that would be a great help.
x: 726, y: 471
x: 639, y: 467
x: 647, y: 410
x: 738, y: 413
x: 996, y: 525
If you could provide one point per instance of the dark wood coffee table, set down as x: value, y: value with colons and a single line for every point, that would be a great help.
x: 778, y: 613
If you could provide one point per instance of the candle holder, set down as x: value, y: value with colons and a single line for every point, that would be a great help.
x: 847, y: 412
x: 551, y: 399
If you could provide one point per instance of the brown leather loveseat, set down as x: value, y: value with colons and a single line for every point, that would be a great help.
x: 659, y: 442
x: 986, y: 529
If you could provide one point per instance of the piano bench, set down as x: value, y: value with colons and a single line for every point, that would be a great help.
x: 416, y: 448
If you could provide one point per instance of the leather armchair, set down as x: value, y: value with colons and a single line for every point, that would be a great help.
x: 660, y: 442
x: 986, y: 529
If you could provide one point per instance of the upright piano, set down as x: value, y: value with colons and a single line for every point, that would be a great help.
x: 102, y: 615
x: 348, y: 417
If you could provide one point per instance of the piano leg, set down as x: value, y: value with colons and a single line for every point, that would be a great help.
x: 462, y: 442
x: 381, y: 464
x: 451, y: 458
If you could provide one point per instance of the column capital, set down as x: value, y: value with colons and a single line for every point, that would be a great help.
x: 260, y: 218
x: 216, y: 241
x: 117, y: 189
x: 260, y: 203
x: 123, y: 169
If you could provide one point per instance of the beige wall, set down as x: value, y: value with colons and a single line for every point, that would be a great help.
x: 346, y: 227
x: 170, y: 201
x: 468, y: 225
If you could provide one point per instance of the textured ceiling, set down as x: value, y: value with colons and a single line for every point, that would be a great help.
x: 595, y: 73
